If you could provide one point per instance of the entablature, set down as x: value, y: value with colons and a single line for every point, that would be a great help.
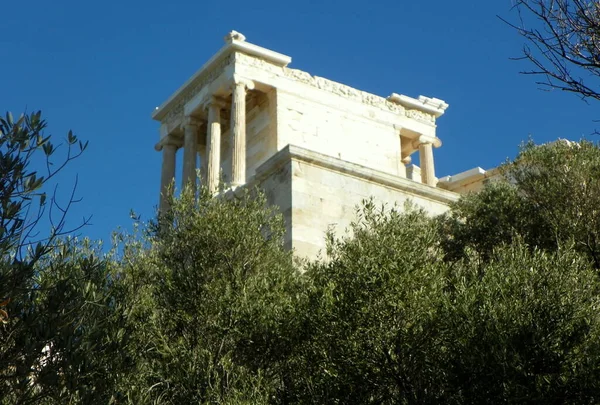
x: 268, y: 70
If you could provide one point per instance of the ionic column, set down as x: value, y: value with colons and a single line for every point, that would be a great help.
x: 167, y: 175
x: 427, y: 167
x: 238, y: 131
x: 425, y: 144
x: 213, y: 143
x: 190, y: 152
x: 203, y: 165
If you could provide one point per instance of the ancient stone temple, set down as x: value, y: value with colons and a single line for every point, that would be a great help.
x: 315, y: 146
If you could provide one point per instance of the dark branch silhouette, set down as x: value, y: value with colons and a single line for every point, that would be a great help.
x: 563, y: 44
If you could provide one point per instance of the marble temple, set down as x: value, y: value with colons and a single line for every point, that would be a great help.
x: 316, y: 147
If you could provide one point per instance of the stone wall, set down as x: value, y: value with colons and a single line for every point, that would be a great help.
x: 471, y: 181
x: 333, y: 129
x: 316, y: 192
x: 275, y: 181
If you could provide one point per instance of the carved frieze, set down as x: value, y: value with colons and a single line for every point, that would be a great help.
x: 321, y: 83
x: 174, y: 117
x: 343, y: 90
x: 335, y: 88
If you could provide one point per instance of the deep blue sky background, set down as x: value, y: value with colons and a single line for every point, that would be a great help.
x: 100, y: 68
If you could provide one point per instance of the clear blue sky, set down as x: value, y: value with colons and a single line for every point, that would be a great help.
x: 100, y: 68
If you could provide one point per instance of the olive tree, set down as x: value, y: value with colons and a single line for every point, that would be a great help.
x: 53, y: 288
x: 391, y: 322
x: 213, y: 302
x: 549, y: 197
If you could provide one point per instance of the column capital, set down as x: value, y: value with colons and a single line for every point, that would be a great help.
x: 242, y: 81
x: 406, y: 160
x: 168, y: 140
x: 427, y: 139
x: 213, y: 101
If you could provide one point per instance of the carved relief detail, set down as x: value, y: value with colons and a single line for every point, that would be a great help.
x: 321, y: 83
x: 257, y: 63
x: 176, y: 112
x: 175, y: 116
x: 420, y: 116
x: 343, y: 90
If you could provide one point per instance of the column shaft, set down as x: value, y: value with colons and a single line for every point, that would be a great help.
x: 238, y: 130
x: 213, y: 142
x: 167, y: 176
x: 190, y: 154
x: 427, y: 167
x: 203, y: 166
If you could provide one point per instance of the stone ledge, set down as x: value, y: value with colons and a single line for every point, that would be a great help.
x: 292, y: 152
x: 427, y: 105
x: 476, y: 174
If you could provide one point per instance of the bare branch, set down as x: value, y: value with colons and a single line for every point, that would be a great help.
x: 563, y: 39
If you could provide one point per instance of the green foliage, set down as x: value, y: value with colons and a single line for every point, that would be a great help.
x: 23, y: 145
x: 392, y: 322
x: 549, y: 199
x: 495, y: 302
x: 499, y: 214
x: 561, y: 181
x: 54, y: 345
x: 523, y: 329
x: 374, y: 307
x: 53, y: 290
x: 217, y: 293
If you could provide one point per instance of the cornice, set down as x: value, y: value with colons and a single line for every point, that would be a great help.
x: 428, y: 105
x: 235, y: 42
x: 296, y: 153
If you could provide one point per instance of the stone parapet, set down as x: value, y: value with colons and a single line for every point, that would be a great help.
x: 295, y: 153
x: 316, y: 192
x: 469, y: 181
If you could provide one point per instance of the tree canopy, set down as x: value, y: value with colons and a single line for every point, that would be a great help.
x: 496, y: 301
x: 549, y: 197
